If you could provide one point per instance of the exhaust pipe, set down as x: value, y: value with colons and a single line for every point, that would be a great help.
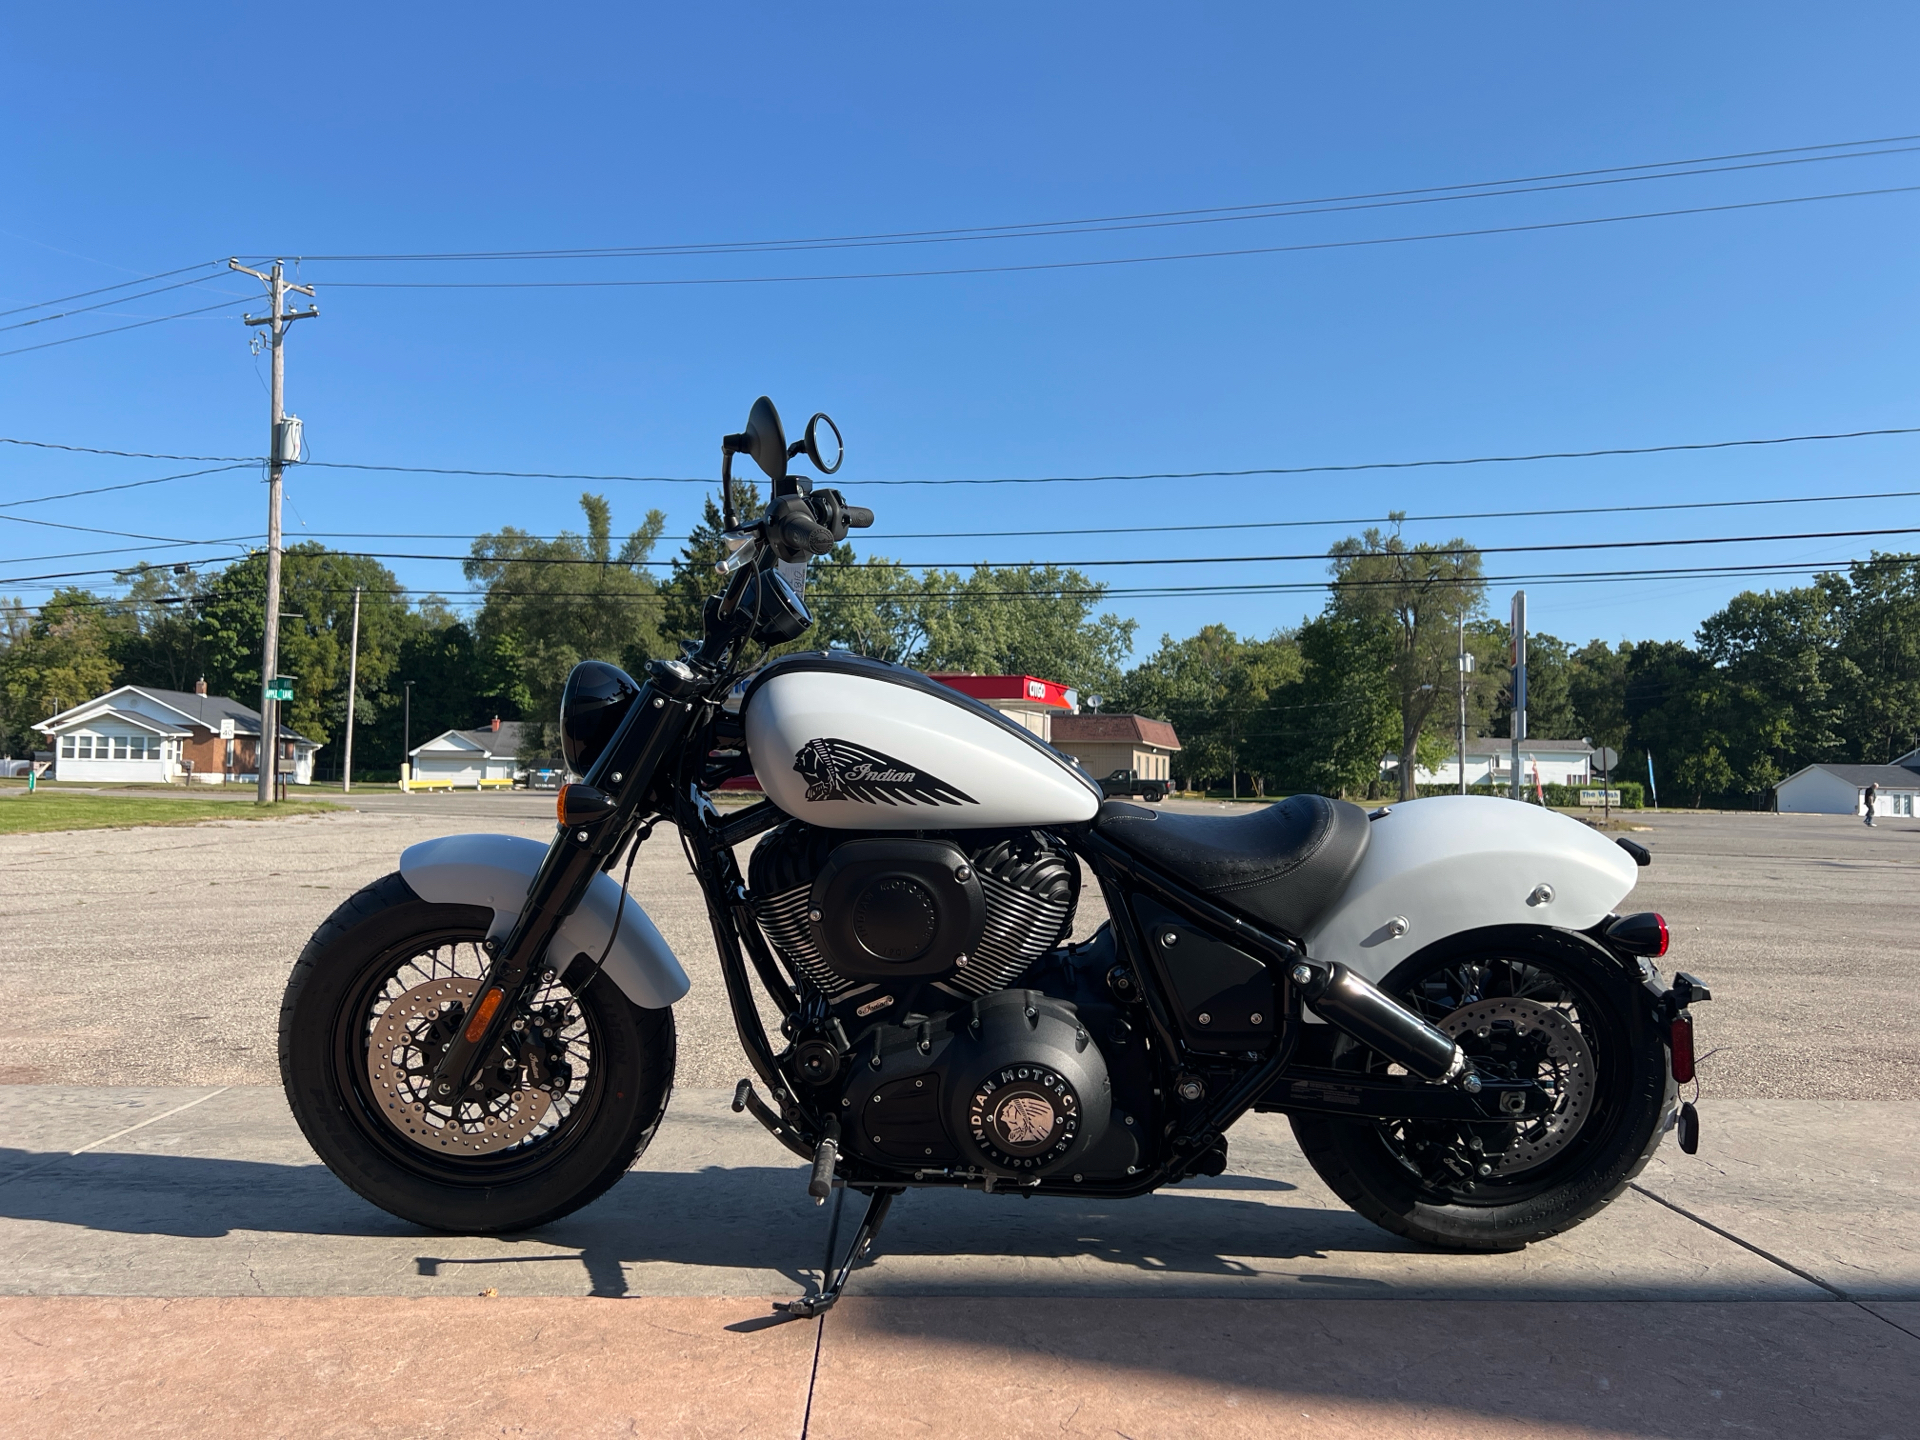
x: 1378, y: 1021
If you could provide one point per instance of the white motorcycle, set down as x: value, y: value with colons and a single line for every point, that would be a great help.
x: 1474, y: 1048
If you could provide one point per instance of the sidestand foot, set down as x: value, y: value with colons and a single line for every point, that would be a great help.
x: 807, y: 1306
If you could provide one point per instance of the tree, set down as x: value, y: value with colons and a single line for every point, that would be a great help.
x: 56, y: 660
x: 1876, y: 677
x: 1418, y: 595
x: 1596, y: 689
x: 872, y: 607
x: 693, y: 577
x: 1774, y: 654
x: 316, y: 603
x: 1023, y: 620
x: 553, y: 603
x: 1213, y: 688
x: 1327, y: 730
x: 161, y: 646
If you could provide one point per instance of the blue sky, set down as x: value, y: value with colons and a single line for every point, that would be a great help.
x: 142, y: 139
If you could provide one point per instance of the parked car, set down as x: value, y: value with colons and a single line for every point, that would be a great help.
x: 1127, y: 785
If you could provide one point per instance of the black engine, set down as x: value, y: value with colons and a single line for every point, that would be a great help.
x: 912, y: 944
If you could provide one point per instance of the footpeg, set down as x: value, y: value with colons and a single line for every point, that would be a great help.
x: 826, y: 1155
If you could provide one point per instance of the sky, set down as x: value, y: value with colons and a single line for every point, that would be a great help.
x: 143, y: 139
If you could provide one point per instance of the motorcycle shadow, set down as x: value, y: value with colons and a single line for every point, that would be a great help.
x: 754, y: 1218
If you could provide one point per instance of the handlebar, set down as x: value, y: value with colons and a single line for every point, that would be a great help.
x: 859, y: 517
x: 797, y: 533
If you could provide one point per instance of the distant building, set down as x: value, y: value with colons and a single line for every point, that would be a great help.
x: 475, y: 759
x: 1490, y: 760
x: 1842, y: 789
x: 1105, y: 743
x: 1029, y: 702
x: 141, y: 735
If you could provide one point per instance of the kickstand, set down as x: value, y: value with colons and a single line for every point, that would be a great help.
x: 807, y: 1306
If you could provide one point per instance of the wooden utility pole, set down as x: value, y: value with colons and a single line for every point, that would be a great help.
x: 1465, y: 663
x: 282, y: 447
x: 353, y: 685
x: 1519, y: 721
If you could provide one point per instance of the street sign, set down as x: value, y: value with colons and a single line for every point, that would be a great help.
x: 1606, y: 759
x: 226, y: 728
x: 1599, y: 797
x: 281, y: 688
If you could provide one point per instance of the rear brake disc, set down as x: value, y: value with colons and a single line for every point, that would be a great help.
x: 1566, y: 1072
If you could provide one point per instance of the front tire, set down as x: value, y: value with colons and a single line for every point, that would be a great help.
x: 1540, y: 1003
x: 555, y: 1119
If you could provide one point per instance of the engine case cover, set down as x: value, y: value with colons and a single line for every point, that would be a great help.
x: 1013, y: 1086
x: 893, y: 908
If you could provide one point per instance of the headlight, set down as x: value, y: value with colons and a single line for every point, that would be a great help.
x: 596, y: 700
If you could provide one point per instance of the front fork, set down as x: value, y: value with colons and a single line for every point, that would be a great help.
x: 621, y: 778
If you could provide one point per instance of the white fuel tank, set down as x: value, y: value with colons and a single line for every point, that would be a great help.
x: 857, y: 744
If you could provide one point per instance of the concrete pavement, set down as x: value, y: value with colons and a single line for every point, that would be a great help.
x: 186, y: 1239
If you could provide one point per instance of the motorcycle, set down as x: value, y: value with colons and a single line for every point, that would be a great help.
x: 1474, y: 1048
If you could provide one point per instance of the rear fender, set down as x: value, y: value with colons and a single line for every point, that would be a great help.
x: 495, y: 871
x: 1452, y: 863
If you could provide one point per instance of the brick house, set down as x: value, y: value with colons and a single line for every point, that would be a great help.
x: 138, y: 734
x: 1106, y: 743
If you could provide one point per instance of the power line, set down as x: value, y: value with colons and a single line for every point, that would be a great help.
x: 1453, y: 461
x: 117, y: 329
x: 144, y: 279
x: 1045, y: 265
x: 1673, y: 169
x: 117, y: 300
x: 129, y: 485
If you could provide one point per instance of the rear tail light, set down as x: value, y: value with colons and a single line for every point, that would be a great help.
x: 1642, y: 934
x: 1680, y: 1039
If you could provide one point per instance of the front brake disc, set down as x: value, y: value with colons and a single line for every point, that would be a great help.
x: 1566, y: 1072
x: 400, y: 1066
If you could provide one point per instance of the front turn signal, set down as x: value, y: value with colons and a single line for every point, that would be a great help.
x: 579, y: 804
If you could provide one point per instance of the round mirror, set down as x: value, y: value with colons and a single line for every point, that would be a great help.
x: 823, y: 445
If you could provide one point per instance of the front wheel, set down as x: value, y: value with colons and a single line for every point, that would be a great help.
x: 552, y: 1121
x: 1540, y: 1005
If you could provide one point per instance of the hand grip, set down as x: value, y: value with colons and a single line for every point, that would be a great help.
x: 859, y: 517
x: 798, y: 533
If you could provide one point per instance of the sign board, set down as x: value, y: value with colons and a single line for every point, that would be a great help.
x: 1597, y: 797
x: 281, y: 688
x: 1605, y: 758
x: 226, y: 728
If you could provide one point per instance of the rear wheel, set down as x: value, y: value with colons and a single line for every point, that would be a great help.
x: 570, y: 1099
x: 1532, y: 1004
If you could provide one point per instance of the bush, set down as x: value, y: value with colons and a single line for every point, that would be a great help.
x: 1632, y: 793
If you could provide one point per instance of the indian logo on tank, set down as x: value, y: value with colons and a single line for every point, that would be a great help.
x: 842, y: 770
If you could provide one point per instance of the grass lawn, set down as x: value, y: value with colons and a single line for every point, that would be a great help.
x: 50, y: 810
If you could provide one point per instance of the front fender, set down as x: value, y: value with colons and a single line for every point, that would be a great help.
x: 1451, y: 863
x: 495, y: 871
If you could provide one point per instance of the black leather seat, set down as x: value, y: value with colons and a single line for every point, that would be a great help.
x: 1284, y: 866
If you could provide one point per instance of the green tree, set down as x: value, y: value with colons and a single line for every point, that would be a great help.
x: 1327, y: 730
x: 693, y: 577
x: 1596, y: 689
x: 60, y: 657
x: 872, y: 607
x: 1417, y: 595
x: 1213, y: 688
x: 316, y: 623
x: 1876, y: 676
x: 553, y: 603
x: 161, y: 644
x: 1774, y: 654
x: 1023, y: 620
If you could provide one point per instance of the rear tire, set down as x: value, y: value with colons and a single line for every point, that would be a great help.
x: 507, y: 1170
x: 1397, y: 1175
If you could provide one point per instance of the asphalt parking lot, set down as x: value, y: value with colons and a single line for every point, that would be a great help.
x: 174, y: 1261
x: 1801, y: 924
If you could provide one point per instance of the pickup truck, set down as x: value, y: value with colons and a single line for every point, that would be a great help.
x: 1127, y: 785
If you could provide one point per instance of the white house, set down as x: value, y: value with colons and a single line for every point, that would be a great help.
x: 1490, y: 759
x: 470, y: 758
x: 1842, y: 789
x: 139, y: 735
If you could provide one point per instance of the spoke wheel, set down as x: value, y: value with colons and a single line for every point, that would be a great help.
x: 569, y: 1098
x: 1543, y: 1006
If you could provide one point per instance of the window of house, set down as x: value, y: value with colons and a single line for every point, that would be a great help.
x: 86, y: 748
x: 137, y: 748
x: 66, y: 747
x: 119, y: 747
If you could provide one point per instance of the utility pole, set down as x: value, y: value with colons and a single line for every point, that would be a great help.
x: 406, y: 738
x: 353, y: 684
x: 1465, y: 663
x: 282, y: 447
x: 1519, y: 725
